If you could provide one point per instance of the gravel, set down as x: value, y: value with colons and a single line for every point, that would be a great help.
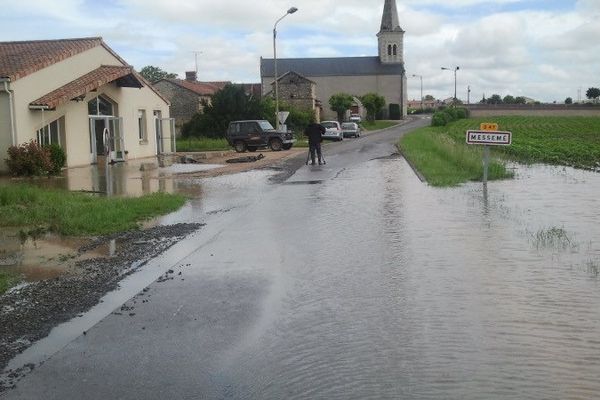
x: 28, y: 313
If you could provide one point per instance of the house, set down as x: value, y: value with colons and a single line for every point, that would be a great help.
x: 298, y: 92
x: 188, y: 95
x: 81, y: 95
x: 383, y: 74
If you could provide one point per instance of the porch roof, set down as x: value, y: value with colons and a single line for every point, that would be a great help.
x: 124, y: 76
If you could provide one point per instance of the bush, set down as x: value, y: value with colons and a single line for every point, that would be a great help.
x: 440, y: 118
x: 57, y: 157
x: 29, y: 159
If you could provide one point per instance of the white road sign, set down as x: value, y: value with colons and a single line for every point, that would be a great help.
x: 494, y: 138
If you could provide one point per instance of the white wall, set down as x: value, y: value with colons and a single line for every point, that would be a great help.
x: 77, y: 145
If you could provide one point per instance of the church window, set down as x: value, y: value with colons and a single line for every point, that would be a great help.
x: 389, y: 49
x: 395, y: 50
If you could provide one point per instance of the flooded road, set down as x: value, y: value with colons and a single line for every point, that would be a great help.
x: 357, y: 281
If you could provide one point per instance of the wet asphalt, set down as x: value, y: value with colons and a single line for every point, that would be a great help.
x: 172, y: 338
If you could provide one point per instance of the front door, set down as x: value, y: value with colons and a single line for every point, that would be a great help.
x: 106, y: 138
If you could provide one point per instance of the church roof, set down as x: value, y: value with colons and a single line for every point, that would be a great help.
x: 389, y: 20
x: 335, y: 66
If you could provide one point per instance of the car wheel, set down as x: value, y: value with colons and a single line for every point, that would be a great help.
x: 276, y: 144
x: 239, y: 146
x: 252, y: 149
x: 287, y: 146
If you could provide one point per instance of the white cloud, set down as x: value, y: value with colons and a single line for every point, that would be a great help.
x: 539, y: 52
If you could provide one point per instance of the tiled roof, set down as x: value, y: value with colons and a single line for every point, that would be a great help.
x: 339, y: 66
x: 86, y: 83
x: 19, y: 59
x: 200, y: 88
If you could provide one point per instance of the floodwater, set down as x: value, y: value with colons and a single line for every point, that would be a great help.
x: 390, y: 288
x: 378, y: 287
x: 44, y: 256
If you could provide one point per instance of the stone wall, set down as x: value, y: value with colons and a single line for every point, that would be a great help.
x: 184, y: 103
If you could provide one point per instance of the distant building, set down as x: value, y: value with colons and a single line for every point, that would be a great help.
x: 187, y: 95
x: 79, y: 94
x: 383, y: 74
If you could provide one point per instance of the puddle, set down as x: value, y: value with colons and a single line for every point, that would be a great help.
x: 46, y: 256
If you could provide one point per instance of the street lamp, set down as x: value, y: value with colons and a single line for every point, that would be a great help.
x: 290, y: 11
x: 420, y: 77
x: 453, y: 69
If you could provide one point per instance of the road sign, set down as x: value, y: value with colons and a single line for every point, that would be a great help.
x: 488, y: 126
x: 493, y: 138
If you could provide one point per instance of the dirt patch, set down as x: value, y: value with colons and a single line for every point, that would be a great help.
x: 270, y: 158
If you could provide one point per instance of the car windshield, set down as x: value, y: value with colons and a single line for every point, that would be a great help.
x: 329, y: 124
x: 266, y: 125
x: 348, y: 126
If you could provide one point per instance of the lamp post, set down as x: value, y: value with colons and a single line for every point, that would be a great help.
x: 290, y: 11
x: 453, y: 69
x: 421, y: 78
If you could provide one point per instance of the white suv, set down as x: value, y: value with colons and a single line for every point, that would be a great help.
x: 333, y: 130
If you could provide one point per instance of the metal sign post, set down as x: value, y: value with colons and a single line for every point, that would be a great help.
x: 488, y: 135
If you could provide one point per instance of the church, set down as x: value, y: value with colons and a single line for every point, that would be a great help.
x: 312, y: 81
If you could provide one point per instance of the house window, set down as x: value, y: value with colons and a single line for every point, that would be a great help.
x: 142, y: 125
x: 51, y: 133
x: 100, y: 106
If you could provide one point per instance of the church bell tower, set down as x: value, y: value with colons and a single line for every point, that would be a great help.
x: 390, y: 37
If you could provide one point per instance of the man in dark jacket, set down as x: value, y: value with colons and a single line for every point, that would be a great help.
x: 315, y: 133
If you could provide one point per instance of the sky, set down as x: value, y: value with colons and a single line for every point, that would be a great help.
x: 547, y: 50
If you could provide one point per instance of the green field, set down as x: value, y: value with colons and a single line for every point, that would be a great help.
x: 69, y: 213
x: 443, y: 157
x: 571, y: 141
x: 6, y: 281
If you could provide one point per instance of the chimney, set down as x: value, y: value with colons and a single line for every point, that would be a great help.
x: 190, y: 76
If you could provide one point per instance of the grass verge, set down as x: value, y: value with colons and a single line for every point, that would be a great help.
x: 443, y: 161
x: 7, y: 281
x: 202, y: 144
x: 73, y: 214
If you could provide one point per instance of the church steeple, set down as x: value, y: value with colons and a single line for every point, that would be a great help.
x: 391, y: 35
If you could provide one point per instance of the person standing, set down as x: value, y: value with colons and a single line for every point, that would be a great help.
x: 315, y: 133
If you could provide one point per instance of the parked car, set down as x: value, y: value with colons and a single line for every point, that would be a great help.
x: 255, y: 134
x: 355, y: 118
x: 333, y: 130
x: 350, y: 129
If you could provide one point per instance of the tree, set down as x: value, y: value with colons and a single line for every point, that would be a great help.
x: 495, y: 99
x: 508, y: 99
x: 340, y: 102
x: 373, y: 103
x: 520, y: 100
x: 154, y: 74
x: 228, y: 104
x: 429, y: 97
x: 568, y: 100
x: 593, y: 93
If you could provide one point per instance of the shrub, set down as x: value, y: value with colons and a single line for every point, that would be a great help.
x: 57, y: 157
x: 440, y: 118
x: 29, y: 159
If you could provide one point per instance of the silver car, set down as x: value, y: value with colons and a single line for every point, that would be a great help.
x: 333, y: 130
x: 350, y: 129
